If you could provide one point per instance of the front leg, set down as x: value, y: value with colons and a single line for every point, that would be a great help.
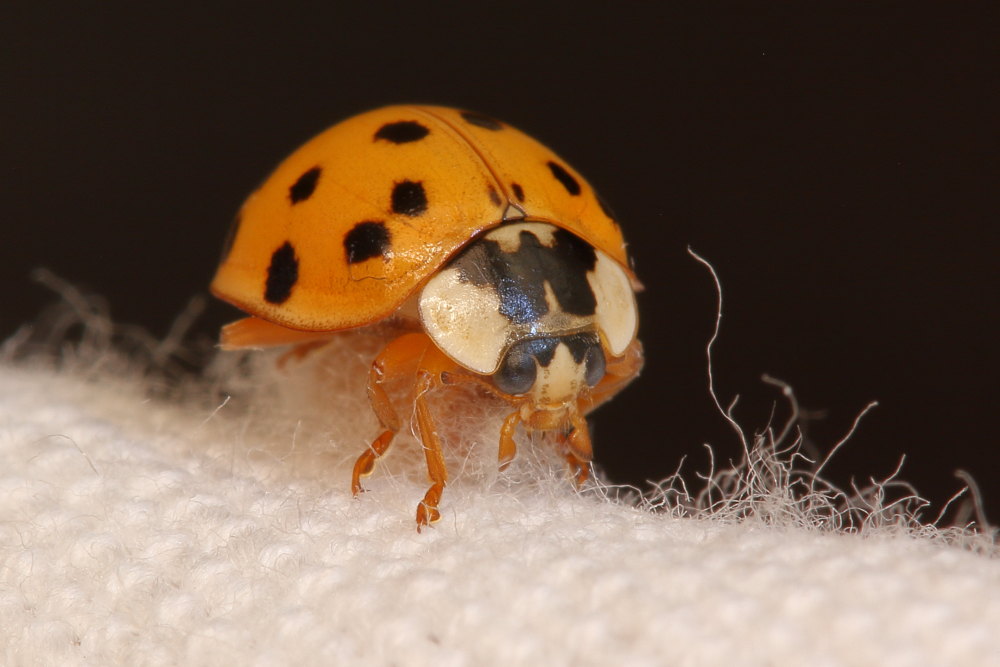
x: 508, y: 447
x: 577, y: 449
x: 574, y: 441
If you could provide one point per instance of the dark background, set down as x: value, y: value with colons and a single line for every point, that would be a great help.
x: 833, y: 165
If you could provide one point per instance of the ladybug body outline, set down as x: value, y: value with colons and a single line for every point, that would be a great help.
x: 500, y: 264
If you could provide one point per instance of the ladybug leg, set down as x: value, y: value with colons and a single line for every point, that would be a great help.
x: 427, y: 510
x: 397, y: 360
x: 620, y: 371
x: 576, y: 441
x: 411, y: 357
x: 253, y: 332
x: 366, y: 462
x: 508, y: 448
x: 578, y: 450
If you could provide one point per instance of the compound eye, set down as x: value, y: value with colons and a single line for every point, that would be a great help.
x: 517, y: 373
x: 596, y: 365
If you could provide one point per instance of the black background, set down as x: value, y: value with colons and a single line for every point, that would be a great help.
x: 833, y: 164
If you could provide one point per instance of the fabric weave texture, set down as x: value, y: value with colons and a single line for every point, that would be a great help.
x: 156, y: 531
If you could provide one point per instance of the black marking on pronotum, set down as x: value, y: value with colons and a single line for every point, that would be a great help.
x: 519, y: 277
x: 303, y: 188
x: 571, y: 287
x: 564, y: 177
x: 366, y: 240
x: 282, y: 274
x: 481, y: 120
x: 409, y: 198
x: 402, y: 132
x: 518, y: 191
x: 494, y: 196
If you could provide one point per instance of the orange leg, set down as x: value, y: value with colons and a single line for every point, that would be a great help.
x: 579, y: 452
x: 253, y: 332
x: 427, y: 510
x: 620, y: 371
x: 398, y: 359
x: 508, y: 448
x: 366, y: 462
x: 411, y: 357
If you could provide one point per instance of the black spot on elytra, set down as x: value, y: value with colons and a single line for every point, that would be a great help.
x: 409, y: 198
x: 481, y: 120
x: 366, y: 240
x: 518, y: 191
x: 402, y: 132
x: 520, y: 277
x: 564, y: 177
x: 495, y: 196
x: 304, y: 187
x: 282, y: 274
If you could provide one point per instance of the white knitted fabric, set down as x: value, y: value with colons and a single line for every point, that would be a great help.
x: 196, y: 530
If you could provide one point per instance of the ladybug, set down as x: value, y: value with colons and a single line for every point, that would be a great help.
x: 493, y: 260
